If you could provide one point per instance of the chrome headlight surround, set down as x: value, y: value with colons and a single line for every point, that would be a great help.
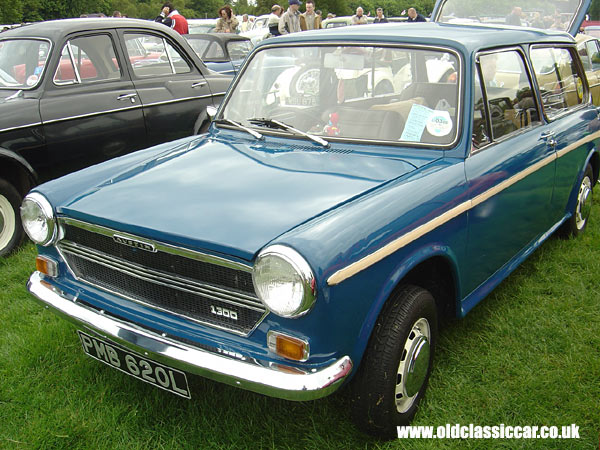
x: 38, y: 219
x: 284, y: 281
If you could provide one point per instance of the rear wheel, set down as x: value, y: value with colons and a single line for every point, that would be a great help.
x: 583, y: 205
x: 393, y: 375
x: 11, y: 231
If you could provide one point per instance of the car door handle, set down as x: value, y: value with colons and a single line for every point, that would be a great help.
x: 199, y: 84
x: 548, y: 136
x: 127, y: 96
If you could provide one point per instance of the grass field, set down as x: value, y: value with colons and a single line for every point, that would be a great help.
x: 527, y: 355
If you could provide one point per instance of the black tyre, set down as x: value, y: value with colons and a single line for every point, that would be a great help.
x: 583, y: 206
x: 395, y: 369
x: 11, y: 231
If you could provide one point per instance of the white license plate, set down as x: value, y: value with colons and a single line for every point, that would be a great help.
x: 137, y: 366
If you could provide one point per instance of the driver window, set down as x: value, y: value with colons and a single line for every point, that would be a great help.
x: 510, y: 102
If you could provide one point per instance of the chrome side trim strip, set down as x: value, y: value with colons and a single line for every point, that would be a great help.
x: 265, y: 377
x: 180, y: 251
x: 367, y: 261
x: 29, y: 125
x: 94, y: 114
x: 176, y: 100
x: 110, y: 111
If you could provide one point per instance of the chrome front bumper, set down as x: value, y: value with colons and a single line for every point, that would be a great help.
x: 270, y: 379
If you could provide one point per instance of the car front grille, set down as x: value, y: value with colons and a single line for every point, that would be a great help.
x: 203, y: 288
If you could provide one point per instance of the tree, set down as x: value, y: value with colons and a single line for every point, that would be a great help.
x: 11, y: 11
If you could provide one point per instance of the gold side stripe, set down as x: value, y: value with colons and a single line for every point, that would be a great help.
x: 404, y: 240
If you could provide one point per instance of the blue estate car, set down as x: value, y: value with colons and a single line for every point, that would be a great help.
x: 375, y: 180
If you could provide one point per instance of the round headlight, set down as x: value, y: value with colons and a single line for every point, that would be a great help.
x: 38, y: 220
x: 284, y: 281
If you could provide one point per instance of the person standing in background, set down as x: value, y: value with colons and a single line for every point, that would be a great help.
x: 380, y: 18
x: 245, y: 25
x: 273, y: 22
x: 290, y: 20
x: 359, y: 18
x: 414, y: 16
x: 227, y: 22
x: 170, y: 17
x: 514, y: 18
x: 310, y: 20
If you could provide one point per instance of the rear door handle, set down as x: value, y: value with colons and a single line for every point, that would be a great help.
x: 127, y: 96
x: 548, y: 136
x: 199, y: 84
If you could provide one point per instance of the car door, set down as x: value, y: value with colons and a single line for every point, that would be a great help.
x: 511, y: 169
x: 173, y: 91
x: 90, y: 109
x: 573, y: 119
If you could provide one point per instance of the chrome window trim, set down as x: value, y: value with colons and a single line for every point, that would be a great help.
x: 180, y: 251
x: 532, y: 83
x: 173, y: 72
x: 50, y: 48
x: 459, y: 84
x: 377, y: 255
x: 77, y: 76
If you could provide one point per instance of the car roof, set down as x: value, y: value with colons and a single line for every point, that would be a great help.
x: 465, y: 38
x: 54, y: 29
x: 224, y: 37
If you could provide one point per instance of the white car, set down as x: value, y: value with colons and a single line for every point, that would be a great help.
x: 260, y: 29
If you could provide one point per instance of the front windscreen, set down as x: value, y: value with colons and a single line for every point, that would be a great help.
x: 544, y: 14
x: 390, y: 94
x: 22, y: 62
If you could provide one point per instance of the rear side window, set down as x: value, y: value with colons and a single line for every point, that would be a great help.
x: 152, y: 56
x: 87, y: 59
x: 560, y: 81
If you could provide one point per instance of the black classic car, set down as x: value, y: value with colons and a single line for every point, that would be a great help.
x: 76, y: 92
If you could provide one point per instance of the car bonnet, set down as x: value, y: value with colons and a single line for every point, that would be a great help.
x: 231, y: 198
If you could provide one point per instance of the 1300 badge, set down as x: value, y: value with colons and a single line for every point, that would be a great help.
x: 218, y: 311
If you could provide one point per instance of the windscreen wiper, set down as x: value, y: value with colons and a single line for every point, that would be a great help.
x: 272, y: 123
x: 238, y: 125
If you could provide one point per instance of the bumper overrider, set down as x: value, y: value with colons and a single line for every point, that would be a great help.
x: 248, y: 373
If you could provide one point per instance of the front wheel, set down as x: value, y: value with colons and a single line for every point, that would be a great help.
x: 393, y: 375
x: 11, y: 231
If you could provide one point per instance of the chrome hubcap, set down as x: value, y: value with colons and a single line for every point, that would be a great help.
x: 414, y: 365
x: 7, y: 222
x: 584, y: 203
